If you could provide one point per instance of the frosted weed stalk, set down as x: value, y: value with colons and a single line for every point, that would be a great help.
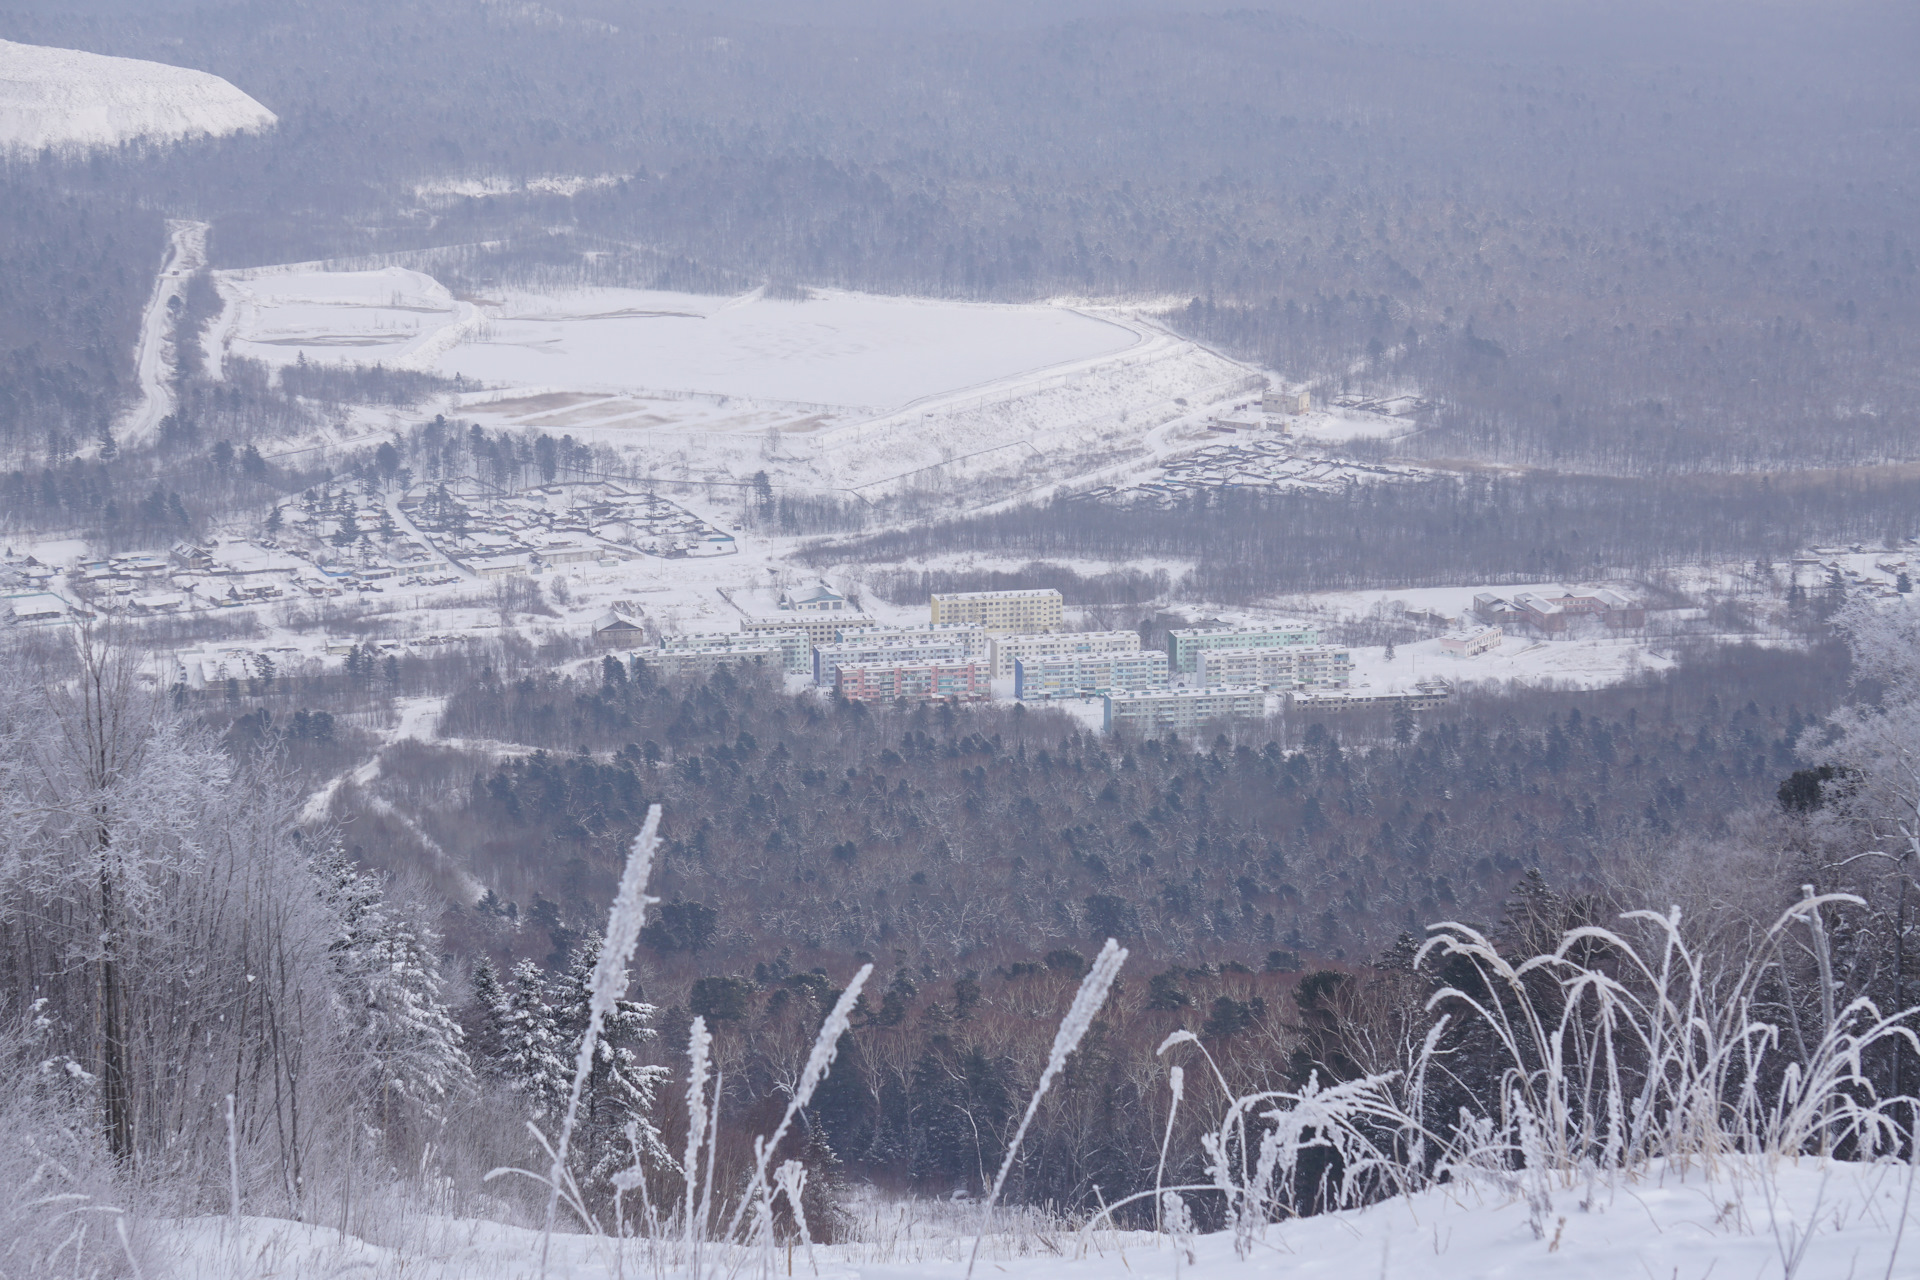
x: 1073, y: 1029
x: 624, y: 920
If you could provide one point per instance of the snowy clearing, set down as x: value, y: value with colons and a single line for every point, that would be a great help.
x: 65, y: 99
x: 1810, y: 1219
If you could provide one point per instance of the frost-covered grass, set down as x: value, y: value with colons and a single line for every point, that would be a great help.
x: 1637, y: 1112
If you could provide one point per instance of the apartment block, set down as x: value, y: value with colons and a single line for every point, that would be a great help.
x: 796, y: 650
x: 1000, y: 612
x: 863, y: 653
x: 705, y: 661
x: 978, y: 643
x: 917, y: 681
x: 1089, y: 675
x: 1310, y: 666
x: 818, y: 627
x: 1424, y: 697
x: 1058, y: 644
x: 1180, y: 710
x: 1185, y: 647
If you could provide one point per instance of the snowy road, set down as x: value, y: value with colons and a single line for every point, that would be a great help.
x: 186, y: 254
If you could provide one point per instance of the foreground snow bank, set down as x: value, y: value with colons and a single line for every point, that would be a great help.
x: 69, y: 100
x: 1812, y: 1220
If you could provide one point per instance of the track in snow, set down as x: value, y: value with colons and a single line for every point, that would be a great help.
x: 186, y: 254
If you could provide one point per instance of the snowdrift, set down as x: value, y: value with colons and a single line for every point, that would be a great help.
x: 73, y: 101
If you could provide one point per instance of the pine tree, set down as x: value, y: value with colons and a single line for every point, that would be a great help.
x: 487, y: 1020
x: 534, y: 1060
x: 619, y: 1089
x: 385, y: 955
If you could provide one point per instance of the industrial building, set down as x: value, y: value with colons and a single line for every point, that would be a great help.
x: 918, y: 681
x: 1000, y: 612
x: 1184, y: 647
x: 1058, y: 644
x: 1089, y: 675
x: 1552, y: 610
x: 1180, y: 710
x: 1286, y: 667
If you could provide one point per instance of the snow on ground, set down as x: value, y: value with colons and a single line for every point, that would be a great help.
x: 1583, y: 663
x: 69, y: 100
x: 1811, y: 1220
x: 154, y: 357
x: 849, y: 393
x: 833, y: 350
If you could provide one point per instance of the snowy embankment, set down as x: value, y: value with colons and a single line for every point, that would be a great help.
x: 1808, y: 1219
x: 68, y: 100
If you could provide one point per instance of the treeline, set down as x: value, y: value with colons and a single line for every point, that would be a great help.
x: 1247, y: 546
x: 978, y: 857
x: 968, y: 836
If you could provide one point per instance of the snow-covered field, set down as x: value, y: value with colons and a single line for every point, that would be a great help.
x: 66, y: 99
x: 840, y: 350
x: 1808, y: 1220
x: 841, y: 392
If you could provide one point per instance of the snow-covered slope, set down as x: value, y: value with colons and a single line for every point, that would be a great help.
x: 69, y: 100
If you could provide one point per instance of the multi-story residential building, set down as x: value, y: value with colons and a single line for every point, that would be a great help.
x: 931, y: 681
x: 827, y: 658
x: 1184, y: 647
x: 1179, y: 710
x: 978, y: 643
x: 1309, y: 666
x: 1000, y: 612
x: 796, y: 649
x: 1089, y: 675
x: 1423, y: 697
x: 820, y: 627
x: 705, y: 661
x: 1058, y: 644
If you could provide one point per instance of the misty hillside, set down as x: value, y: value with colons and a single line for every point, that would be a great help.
x: 909, y: 639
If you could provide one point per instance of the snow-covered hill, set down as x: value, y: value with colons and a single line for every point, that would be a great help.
x: 69, y: 100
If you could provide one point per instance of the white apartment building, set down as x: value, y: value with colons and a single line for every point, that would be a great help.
x: 1089, y: 675
x: 1180, y: 710
x: 1058, y: 644
x: 1291, y: 667
x: 1000, y: 612
x: 828, y: 658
